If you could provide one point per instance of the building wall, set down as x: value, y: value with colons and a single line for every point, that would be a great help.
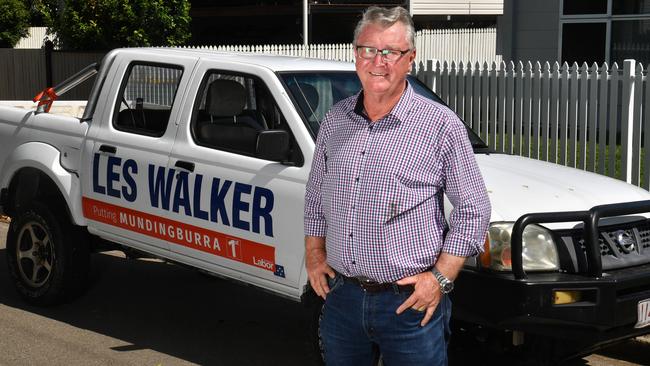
x: 529, y: 30
x: 35, y: 39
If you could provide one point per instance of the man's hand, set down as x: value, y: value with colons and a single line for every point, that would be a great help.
x: 316, y: 264
x: 426, y: 296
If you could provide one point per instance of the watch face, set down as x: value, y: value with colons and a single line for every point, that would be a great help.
x: 447, y: 287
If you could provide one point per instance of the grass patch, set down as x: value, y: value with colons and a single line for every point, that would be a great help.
x: 576, y: 162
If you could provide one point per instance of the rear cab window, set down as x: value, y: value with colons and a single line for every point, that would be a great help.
x: 146, y: 98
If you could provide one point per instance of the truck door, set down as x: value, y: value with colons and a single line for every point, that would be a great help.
x: 243, y: 212
x: 133, y: 137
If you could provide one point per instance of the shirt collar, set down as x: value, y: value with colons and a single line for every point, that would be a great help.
x: 400, y: 111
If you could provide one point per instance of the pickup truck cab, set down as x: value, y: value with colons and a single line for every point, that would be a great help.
x: 201, y: 158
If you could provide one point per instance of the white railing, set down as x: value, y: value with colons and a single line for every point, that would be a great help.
x: 457, y: 45
x: 579, y: 116
x: 446, y: 44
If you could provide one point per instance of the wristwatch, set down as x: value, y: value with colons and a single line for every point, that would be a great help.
x: 446, y: 285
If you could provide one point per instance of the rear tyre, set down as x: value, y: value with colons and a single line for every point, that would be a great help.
x: 47, y: 256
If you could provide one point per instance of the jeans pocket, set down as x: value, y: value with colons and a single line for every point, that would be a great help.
x: 335, y: 282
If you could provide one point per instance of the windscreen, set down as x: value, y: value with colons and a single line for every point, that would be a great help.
x: 314, y: 93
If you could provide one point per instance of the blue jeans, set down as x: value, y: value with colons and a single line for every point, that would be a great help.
x: 357, y: 326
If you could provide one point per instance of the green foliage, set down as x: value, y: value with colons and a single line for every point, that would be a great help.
x: 108, y: 24
x: 14, y: 22
x: 38, y: 12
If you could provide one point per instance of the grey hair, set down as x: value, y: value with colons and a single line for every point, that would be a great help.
x: 386, y: 17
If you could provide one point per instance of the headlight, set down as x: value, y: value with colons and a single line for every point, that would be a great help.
x: 539, y: 251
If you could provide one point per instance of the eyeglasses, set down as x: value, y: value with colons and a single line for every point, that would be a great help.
x: 369, y: 53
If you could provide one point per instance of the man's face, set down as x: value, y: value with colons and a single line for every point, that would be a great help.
x: 377, y: 75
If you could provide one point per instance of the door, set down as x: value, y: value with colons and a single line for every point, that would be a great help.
x: 243, y: 215
x: 133, y: 136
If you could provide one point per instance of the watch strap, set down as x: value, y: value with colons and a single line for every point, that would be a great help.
x: 446, y: 285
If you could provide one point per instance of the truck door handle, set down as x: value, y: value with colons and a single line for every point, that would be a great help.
x: 108, y: 149
x: 185, y: 165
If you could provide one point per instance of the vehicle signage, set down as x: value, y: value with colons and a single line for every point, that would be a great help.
x: 219, y: 244
x: 179, y: 192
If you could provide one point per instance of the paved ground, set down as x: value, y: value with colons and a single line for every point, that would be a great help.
x: 141, y: 312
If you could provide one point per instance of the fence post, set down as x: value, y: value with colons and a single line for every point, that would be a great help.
x: 431, y: 76
x: 627, y: 119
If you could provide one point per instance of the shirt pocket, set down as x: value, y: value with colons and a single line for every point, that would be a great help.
x: 405, y: 195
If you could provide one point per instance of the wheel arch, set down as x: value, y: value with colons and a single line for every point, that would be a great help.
x: 34, y: 172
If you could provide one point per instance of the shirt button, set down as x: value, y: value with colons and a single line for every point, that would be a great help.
x: 350, y: 234
x: 370, y: 128
x: 363, y: 153
x: 356, y: 179
x: 354, y: 262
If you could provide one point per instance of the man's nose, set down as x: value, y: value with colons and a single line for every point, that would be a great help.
x: 380, y: 57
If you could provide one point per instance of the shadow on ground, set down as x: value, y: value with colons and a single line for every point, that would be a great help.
x: 179, y: 312
x: 204, y: 320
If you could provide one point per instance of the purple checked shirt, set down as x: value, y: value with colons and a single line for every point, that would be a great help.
x: 375, y: 190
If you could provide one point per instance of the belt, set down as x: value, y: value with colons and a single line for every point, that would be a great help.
x: 371, y: 286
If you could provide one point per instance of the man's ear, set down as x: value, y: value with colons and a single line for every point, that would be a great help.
x: 411, y: 60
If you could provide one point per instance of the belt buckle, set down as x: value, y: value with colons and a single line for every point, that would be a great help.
x: 365, y: 283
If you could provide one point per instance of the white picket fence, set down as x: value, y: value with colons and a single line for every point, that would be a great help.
x: 445, y: 44
x: 456, y: 45
x: 571, y: 115
x: 333, y: 51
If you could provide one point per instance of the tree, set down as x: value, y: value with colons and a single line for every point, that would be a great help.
x: 14, y: 22
x: 107, y: 24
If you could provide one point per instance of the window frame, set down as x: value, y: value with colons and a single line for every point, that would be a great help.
x: 606, y: 18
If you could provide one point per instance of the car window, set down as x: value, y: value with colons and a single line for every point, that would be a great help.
x: 314, y: 93
x: 146, y: 98
x: 231, y: 112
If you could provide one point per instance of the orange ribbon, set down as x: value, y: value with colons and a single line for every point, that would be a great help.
x: 46, y: 97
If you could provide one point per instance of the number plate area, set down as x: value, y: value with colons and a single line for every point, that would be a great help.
x: 643, y: 319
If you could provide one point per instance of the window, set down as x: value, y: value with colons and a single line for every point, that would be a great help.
x: 630, y: 7
x: 233, y: 110
x: 578, y: 48
x: 605, y: 31
x: 625, y: 46
x: 146, y: 98
x: 572, y: 7
x: 314, y: 93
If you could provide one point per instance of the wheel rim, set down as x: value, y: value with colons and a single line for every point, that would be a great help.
x: 34, y: 254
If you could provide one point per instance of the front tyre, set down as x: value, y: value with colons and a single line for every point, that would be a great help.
x: 47, y: 256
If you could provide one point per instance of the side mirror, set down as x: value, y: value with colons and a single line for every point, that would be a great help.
x: 273, y: 145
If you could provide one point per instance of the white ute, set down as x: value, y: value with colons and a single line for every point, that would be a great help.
x: 201, y: 158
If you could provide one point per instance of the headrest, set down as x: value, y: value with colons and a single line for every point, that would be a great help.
x: 306, y: 96
x: 225, y: 98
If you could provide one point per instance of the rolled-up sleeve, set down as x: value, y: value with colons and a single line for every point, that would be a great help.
x: 314, y: 218
x: 465, y: 189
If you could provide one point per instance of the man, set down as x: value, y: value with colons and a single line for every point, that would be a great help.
x: 378, y: 249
